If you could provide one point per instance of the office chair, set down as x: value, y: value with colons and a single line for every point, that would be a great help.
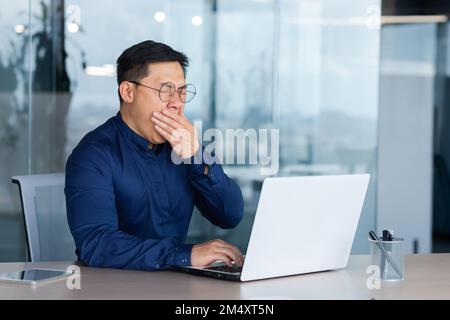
x: 44, y: 210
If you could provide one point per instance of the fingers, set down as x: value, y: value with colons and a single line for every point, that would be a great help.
x: 234, y: 248
x: 163, y: 126
x: 165, y: 122
x: 176, y: 133
x: 233, y: 252
x: 177, y: 117
x: 222, y: 257
x: 171, y: 127
x: 165, y: 134
x: 214, y: 250
x: 231, y: 255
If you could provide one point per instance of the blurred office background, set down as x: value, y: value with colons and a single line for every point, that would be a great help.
x: 354, y: 86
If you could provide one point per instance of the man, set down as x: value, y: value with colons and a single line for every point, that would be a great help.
x: 128, y: 203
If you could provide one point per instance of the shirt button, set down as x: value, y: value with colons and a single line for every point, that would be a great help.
x: 184, y: 260
x: 157, y: 266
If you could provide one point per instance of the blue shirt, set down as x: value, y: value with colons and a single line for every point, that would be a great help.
x: 129, y: 206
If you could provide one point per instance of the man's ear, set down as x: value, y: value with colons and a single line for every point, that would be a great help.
x: 126, y: 90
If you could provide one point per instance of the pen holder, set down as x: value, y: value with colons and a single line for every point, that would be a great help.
x: 389, y: 257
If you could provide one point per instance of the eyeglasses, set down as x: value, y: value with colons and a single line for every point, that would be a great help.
x: 167, y: 91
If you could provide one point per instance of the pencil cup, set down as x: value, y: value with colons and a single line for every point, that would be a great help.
x: 389, y: 257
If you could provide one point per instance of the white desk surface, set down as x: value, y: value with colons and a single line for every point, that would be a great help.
x: 427, y: 276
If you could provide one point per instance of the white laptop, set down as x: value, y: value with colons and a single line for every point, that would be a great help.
x: 302, y: 225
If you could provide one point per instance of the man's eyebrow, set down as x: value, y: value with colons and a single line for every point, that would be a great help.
x: 182, y: 84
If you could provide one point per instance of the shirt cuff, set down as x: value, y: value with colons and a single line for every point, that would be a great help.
x: 202, y: 162
x: 182, y: 255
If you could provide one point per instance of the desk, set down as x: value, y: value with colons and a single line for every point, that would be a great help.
x: 427, y: 277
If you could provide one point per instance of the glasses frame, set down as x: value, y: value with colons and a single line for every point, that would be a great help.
x: 172, y: 92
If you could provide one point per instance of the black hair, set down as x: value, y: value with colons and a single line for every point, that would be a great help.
x: 132, y: 64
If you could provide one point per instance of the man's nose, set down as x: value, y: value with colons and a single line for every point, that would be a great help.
x: 175, y: 103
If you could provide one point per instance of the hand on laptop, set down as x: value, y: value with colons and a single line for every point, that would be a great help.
x: 204, y: 254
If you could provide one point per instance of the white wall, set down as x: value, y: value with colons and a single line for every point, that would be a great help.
x: 405, y: 146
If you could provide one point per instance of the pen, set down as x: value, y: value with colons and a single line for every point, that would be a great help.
x: 385, y: 254
x: 383, y: 261
x: 390, y: 235
x: 390, y: 238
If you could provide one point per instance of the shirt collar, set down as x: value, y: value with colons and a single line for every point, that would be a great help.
x: 142, y: 143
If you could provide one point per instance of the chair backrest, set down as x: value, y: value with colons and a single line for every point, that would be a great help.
x: 44, y: 210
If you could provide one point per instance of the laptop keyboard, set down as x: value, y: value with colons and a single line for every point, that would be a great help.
x: 225, y: 268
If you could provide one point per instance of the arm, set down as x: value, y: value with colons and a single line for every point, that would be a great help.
x: 93, y: 221
x: 217, y: 196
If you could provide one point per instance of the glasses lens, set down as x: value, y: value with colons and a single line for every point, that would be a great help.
x: 167, y: 91
x: 187, y: 93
